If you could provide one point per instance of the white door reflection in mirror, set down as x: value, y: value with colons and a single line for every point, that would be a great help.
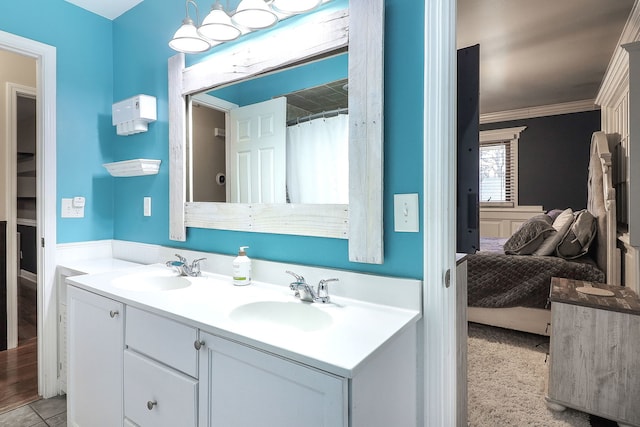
x: 256, y: 157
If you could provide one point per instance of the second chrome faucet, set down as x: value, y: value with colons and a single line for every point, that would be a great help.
x: 183, y: 268
x: 306, y: 293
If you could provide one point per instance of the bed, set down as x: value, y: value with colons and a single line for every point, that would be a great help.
x: 511, y: 291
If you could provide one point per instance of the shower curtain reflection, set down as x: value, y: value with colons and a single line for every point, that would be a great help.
x: 318, y: 161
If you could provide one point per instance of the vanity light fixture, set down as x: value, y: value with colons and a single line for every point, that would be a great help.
x: 187, y: 39
x: 294, y: 6
x: 217, y: 25
x: 220, y: 26
x: 254, y: 14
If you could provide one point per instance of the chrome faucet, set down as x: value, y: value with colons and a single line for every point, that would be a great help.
x: 306, y: 292
x: 183, y: 268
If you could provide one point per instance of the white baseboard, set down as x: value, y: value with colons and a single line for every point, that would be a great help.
x: 67, y: 253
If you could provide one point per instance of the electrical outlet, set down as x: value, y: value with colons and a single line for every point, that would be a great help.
x: 71, y: 210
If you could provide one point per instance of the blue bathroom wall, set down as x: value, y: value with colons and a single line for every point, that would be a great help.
x: 140, y: 49
x: 84, y: 75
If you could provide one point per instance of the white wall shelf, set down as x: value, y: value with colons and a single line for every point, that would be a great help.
x: 135, y: 167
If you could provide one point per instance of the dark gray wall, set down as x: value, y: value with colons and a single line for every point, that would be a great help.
x: 553, y: 158
x: 28, y: 247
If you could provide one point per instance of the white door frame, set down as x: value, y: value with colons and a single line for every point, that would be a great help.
x: 439, y: 301
x: 45, y: 57
x: 12, y: 93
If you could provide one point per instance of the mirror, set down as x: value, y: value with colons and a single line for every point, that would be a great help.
x: 308, y: 153
x: 361, y: 29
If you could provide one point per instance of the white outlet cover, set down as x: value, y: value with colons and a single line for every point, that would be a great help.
x: 68, y: 210
x: 406, y: 213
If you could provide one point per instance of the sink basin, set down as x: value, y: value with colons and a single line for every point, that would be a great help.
x: 296, y: 315
x: 157, y: 281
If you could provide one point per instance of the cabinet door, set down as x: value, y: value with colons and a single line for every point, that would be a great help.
x: 95, y: 357
x: 157, y: 396
x: 244, y: 387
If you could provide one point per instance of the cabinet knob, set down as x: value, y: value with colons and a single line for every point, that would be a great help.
x: 151, y: 404
x: 114, y: 313
x: 198, y: 344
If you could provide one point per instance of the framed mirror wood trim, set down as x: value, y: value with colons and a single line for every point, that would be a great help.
x: 361, y: 220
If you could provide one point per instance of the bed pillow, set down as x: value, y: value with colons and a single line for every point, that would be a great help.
x: 554, y: 213
x: 561, y: 224
x: 577, y: 239
x: 528, y: 237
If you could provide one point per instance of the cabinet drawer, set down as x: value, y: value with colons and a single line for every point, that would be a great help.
x: 162, y: 339
x: 174, y: 394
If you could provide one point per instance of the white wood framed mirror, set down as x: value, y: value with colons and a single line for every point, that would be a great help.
x: 360, y: 28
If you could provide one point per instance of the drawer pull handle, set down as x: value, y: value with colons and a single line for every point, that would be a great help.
x: 151, y: 404
x: 114, y: 313
x: 198, y: 344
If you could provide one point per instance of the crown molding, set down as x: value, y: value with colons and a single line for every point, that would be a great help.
x: 616, y: 77
x: 540, y: 111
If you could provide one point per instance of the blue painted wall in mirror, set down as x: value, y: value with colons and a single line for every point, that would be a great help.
x: 271, y: 85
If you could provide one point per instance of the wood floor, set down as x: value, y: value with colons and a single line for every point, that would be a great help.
x: 19, y: 375
x: 19, y: 366
x: 27, y: 310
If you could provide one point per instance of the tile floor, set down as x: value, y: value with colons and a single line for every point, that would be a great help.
x: 41, y: 413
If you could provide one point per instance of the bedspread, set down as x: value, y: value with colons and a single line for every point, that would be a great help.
x: 499, y: 280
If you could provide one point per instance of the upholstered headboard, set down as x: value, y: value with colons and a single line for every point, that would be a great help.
x: 602, y: 204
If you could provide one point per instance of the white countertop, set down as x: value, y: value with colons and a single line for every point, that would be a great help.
x: 351, y: 330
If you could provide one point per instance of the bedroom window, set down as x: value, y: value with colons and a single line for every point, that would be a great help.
x: 499, y: 167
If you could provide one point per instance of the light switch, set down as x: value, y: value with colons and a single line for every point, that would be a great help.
x: 147, y: 206
x: 406, y: 213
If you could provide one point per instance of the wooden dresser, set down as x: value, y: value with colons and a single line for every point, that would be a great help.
x: 595, y: 351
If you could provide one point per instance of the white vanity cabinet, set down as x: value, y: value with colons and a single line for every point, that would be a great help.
x: 160, y: 370
x: 243, y: 386
x: 182, y: 359
x: 96, y: 345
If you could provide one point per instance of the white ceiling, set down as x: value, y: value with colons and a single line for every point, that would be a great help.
x: 540, y: 52
x: 110, y: 9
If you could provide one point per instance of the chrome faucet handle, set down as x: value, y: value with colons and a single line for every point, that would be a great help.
x: 196, y: 262
x: 181, y: 258
x: 323, y: 290
x: 195, y: 266
x: 298, y: 277
x: 295, y: 286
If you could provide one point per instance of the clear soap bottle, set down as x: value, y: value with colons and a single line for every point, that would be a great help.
x: 242, y: 268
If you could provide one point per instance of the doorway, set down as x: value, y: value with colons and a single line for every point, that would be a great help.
x: 19, y: 360
x: 26, y: 216
x: 44, y: 58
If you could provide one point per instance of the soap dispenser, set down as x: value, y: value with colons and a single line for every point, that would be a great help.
x: 242, y: 268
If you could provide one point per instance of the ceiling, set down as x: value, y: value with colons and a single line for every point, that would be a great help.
x: 319, y: 99
x: 540, y: 52
x: 109, y: 9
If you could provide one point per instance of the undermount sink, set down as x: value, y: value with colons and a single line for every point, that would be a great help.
x: 157, y: 281
x: 297, y: 315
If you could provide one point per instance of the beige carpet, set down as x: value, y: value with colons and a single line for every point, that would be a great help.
x: 507, y: 374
